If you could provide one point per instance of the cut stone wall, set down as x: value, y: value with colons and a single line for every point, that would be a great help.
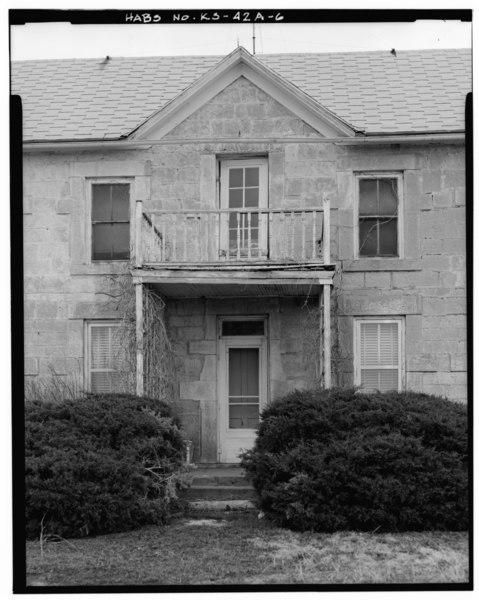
x: 426, y: 287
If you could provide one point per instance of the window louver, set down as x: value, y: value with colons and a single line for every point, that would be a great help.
x: 104, y: 349
x: 379, y: 356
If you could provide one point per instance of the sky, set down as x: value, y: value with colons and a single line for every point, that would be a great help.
x: 63, y: 40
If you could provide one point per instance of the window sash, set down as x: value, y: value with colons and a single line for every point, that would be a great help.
x: 378, y: 227
x: 379, y: 354
x: 110, y: 221
x: 103, y: 351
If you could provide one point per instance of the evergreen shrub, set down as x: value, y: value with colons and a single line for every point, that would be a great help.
x: 99, y: 464
x: 337, y: 459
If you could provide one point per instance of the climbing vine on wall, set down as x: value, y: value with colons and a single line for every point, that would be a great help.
x: 159, y: 360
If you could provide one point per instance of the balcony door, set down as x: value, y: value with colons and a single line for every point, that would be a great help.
x: 244, y: 188
x: 242, y: 384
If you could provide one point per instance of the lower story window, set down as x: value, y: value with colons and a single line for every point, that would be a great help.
x: 103, y: 349
x: 378, y: 354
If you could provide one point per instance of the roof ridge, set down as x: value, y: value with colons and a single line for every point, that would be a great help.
x: 221, y: 56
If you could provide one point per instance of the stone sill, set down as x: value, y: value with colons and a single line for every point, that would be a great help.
x: 383, y: 264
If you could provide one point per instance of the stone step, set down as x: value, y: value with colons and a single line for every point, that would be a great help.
x: 220, y: 508
x: 200, y: 480
x: 218, y: 492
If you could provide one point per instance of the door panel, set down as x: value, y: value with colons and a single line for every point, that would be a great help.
x: 242, y: 389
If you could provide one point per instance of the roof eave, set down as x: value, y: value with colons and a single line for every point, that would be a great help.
x: 138, y: 144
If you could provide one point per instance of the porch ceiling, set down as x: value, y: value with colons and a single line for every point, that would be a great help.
x: 187, y: 284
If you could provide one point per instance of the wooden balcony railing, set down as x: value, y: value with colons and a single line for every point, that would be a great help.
x: 233, y: 236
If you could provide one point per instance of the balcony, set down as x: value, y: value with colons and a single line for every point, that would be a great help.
x: 233, y: 237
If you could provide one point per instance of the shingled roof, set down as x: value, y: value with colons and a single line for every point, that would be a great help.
x: 415, y: 91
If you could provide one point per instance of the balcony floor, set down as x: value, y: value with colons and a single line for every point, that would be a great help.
x: 236, y: 280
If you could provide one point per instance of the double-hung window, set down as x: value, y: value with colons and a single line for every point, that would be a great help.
x: 378, y: 354
x: 110, y: 221
x: 103, y: 356
x: 379, y: 215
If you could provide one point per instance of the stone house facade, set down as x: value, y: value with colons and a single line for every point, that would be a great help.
x: 294, y: 220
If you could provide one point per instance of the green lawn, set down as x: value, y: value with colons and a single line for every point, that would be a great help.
x: 245, y: 550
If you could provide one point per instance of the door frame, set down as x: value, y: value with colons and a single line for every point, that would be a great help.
x: 237, y: 341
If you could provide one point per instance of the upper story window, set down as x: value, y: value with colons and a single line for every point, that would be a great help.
x: 244, y: 187
x: 379, y: 215
x: 110, y: 221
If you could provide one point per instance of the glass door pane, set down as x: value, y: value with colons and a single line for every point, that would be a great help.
x: 243, y: 388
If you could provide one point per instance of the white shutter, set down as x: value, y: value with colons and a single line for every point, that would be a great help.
x: 104, y: 348
x: 379, y: 355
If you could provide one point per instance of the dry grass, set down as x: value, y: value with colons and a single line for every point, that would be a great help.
x: 247, y: 551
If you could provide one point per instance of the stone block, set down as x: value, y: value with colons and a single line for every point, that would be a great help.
x: 433, y: 305
x: 455, y: 305
x: 208, y: 372
x: 414, y: 382
x: 198, y: 390
x: 456, y: 393
x: 454, y: 178
x: 460, y: 196
x: 432, y: 246
x: 202, y: 347
x: 458, y: 362
x: 377, y: 280
x: 374, y: 161
x: 428, y: 362
x: 376, y: 303
x: 291, y: 345
x: 431, y: 181
x: 416, y: 279
x: 353, y: 281
x: 426, y: 201
x: 31, y: 366
x: 443, y: 199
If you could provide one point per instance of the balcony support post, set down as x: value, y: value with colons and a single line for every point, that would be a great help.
x: 138, y: 228
x: 326, y: 231
x: 327, y: 335
x: 139, y: 338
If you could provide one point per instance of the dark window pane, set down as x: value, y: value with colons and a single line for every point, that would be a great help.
x: 251, y: 197
x: 388, y: 237
x: 388, y: 202
x: 120, y: 194
x: 236, y: 178
x: 243, y: 373
x: 111, y: 241
x: 243, y: 417
x: 101, y: 203
x: 243, y: 328
x: 252, y: 176
x: 368, y: 197
x: 236, y: 199
x: 368, y: 237
x: 121, y: 241
x: 102, y: 241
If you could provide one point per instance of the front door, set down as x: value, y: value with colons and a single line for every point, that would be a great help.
x: 242, y: 386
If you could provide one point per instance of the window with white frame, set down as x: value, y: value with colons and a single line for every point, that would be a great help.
x: 378, y: 354
x: 103, y: 356
x: 244, y: 188
x: 110, y: 221
x: 379, y: 215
